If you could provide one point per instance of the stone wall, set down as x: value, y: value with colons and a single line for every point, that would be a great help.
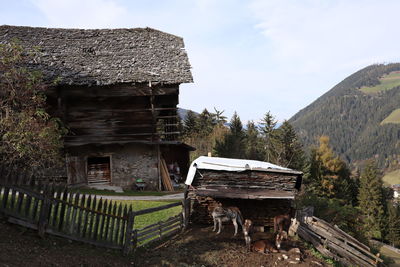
x: 128, y: 162
x: 135, y: 161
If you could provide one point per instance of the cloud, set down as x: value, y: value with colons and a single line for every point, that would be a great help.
x: 257, y: 55
x: 81, y: 13
x: 319, y: 34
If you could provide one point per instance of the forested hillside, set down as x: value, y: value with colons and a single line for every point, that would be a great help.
x: 353, y: 115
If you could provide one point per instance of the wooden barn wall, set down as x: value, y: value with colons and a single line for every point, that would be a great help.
x: 261, y: 212
x: 128, y: 162
x: 116, y: 113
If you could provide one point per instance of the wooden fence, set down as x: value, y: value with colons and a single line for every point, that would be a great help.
x: 54, y: 209
x: 331, y: 241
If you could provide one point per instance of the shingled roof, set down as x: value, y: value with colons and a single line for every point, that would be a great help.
x: 105, y: 56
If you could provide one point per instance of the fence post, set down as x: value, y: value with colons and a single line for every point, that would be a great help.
x: 44, y: 211
x: 134, y: 239
x: 128, y: 234
x: 183, y: 218
x: 185, y: 212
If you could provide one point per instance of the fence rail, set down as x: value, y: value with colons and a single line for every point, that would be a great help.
x: 331, y: 241
x: 52, y: 208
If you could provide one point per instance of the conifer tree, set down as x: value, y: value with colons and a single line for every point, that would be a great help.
x: 189, y: 124
x: 232, y: 146
x: 268, y: 134
x: 393, y: 231
x: 205, y: 123
x: 253, y: 143
x: 370, y: 199
x: 313, y: 174
x: 328, y: 175
x: 219, y: 118
x: 291, y: 153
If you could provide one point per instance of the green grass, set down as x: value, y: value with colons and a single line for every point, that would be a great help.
x: 392, y: 255
x: 147, y: 219
x: 394, y: 117
x: 387, y: 82
x: 319, y: 255
x: 392, y: 178
x: 140, y: 221
x: 125, y: 193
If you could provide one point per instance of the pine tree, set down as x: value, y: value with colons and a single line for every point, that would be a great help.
x: 290, y: 149
x: 268, y: 134
x: 393, y: 231
x: 205, y: 123
x: 219, y: 118
x: 253, y: 142
x: 370, y: 199
x: 189, y: 124
x: 313, y: 174
x: 232, y: 146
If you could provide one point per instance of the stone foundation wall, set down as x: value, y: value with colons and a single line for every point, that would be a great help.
x: 133, y: 162
x: 128, y: 162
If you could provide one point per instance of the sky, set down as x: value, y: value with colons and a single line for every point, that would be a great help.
x: 249, y: 56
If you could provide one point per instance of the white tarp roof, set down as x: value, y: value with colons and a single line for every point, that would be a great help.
x: 226, y: 164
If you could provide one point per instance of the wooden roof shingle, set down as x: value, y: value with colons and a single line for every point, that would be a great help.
x: 103, y: 56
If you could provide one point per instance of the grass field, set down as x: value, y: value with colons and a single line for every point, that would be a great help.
x: 392, y: 178
x: 125, y: 193
x: 140, y: 221
x: 394, y: 117
x: 147, y: 219
x: 387, y: 82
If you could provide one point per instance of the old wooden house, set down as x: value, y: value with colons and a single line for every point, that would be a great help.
x: 259, y: 189
x: 117, y: 91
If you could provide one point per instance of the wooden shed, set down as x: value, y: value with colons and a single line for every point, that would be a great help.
x: 117, y: 91
x: 259, y: 189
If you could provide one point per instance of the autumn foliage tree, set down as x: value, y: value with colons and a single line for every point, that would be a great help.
x: 29, y: 137
x: 327, y: 175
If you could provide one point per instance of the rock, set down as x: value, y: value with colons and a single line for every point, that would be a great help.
x: 294, y: 251
x: 316, y: 263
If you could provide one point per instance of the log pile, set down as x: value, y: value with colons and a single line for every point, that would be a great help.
x: 331, y: 241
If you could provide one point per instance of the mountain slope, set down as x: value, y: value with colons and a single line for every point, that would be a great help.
x: 351, y: 114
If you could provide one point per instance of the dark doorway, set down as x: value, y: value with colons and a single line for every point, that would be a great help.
x: 98, y: 170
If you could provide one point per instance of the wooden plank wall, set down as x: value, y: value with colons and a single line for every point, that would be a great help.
x: 245, y: 180
x: 118, y: 113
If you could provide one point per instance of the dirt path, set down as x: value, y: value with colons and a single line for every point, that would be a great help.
x: 197, y: 247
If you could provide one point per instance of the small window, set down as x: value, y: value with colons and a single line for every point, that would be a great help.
x: 98, y: 170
